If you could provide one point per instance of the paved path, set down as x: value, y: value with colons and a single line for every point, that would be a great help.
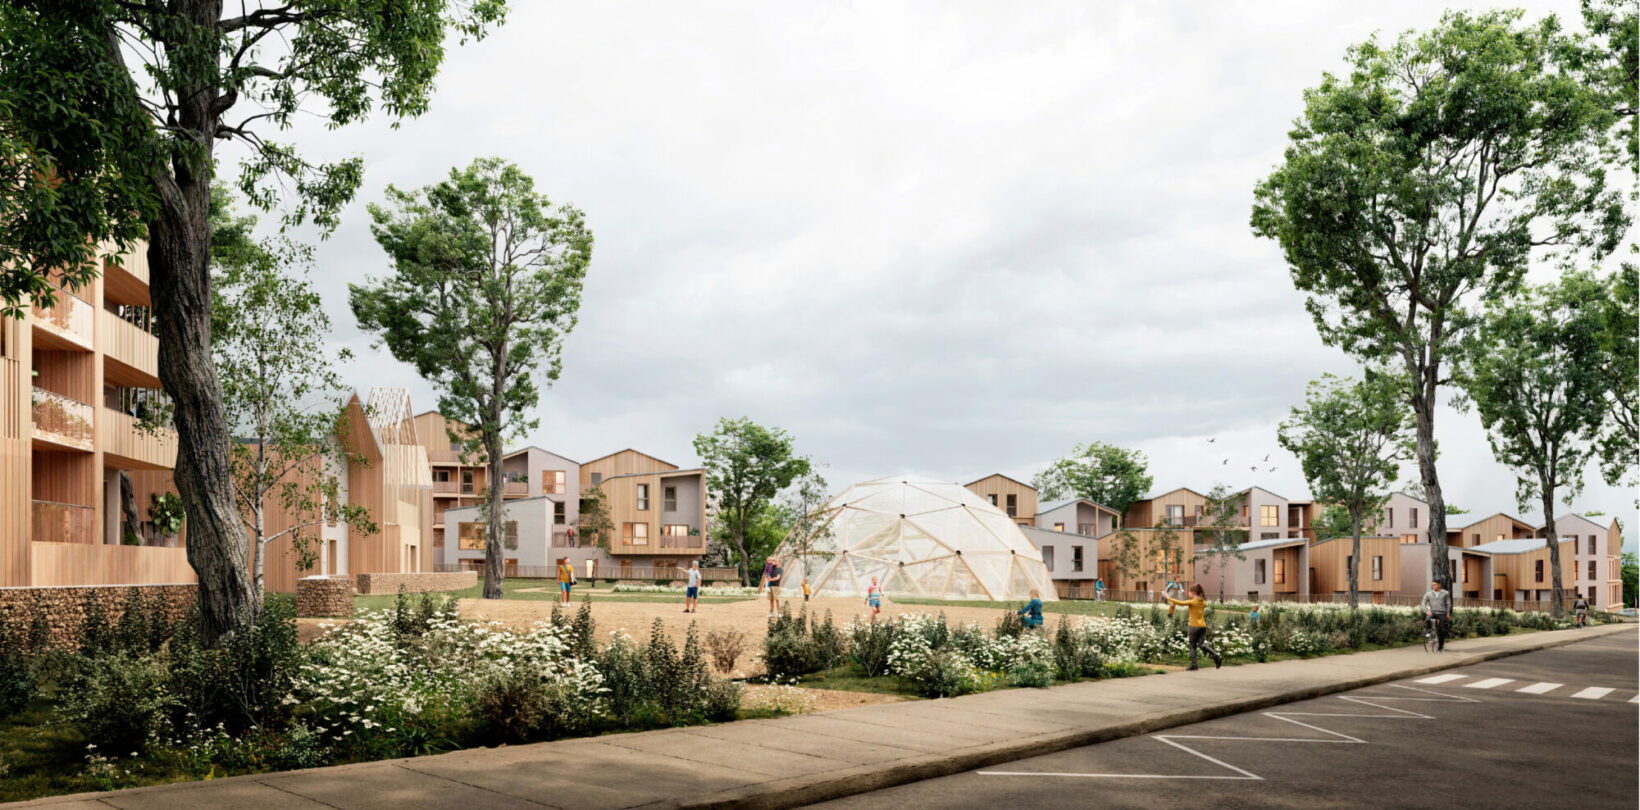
x: 799, y: 760
x: 1473, y: 737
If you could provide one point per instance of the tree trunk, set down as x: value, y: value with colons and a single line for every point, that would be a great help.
x: 494, y: 521
x: 257, y: 547
x: 178, y: 257
x: 1553, y: 541
x: 130, y: 524
x: 1423, y: 407
x: 1355, y: 560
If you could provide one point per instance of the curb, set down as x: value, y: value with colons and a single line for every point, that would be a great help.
x: 814, y: 788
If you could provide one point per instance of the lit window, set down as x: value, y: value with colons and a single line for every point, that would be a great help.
x: 635, y: 534
x: 1281, y: 571
x: 1268, y: 515
x: 1059, y: 527
x: 552, y: 482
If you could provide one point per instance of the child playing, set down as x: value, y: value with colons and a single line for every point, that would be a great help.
x: 874, y: 597
x: 1197, y: 603
x: 1033, y: 610
x: 1252, y: 616
x: 805, y: 589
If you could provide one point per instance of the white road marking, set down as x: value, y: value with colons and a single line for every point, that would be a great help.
x: 1489, y: 683
x: 1635, y: 699
x: 1594, y: 693
x: 1540, y: 688
x: 1442, y: 678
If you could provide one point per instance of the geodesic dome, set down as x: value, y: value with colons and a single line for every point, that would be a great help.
x: 919, y: 537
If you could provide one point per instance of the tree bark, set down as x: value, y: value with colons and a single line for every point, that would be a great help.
x: 494, y: 522
x: 1423, y: 414
x: 178, y: 259
x: 1355, y: 560
x: 130, y: 524
x: 1550, y: 538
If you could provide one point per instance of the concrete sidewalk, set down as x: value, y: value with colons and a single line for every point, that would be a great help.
x: 794, y: 761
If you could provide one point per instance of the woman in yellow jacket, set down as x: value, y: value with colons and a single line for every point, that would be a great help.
x: 1198, y: 624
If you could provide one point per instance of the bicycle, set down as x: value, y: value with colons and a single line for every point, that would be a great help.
x: 1432, y: 635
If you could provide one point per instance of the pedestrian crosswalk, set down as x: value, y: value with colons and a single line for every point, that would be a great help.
x: 1548, y: 688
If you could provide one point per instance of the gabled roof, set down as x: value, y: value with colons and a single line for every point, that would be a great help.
x: 1043, y: 510
x: 529, y: 447
x: 1572, y: 516
x: 661, y: 473
x: 1493, y: 515
x: 1352, y: 537
x: 1256, y: 486
x: 1000, y: 475
x: 1410, y: 497
x: 1519, y: 545
x: 1037, y: 535
x: 627, y: 450
x: 1274, y: 542
x: 1170, y: 492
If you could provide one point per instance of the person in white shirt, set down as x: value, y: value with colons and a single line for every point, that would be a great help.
x: 691, y: 595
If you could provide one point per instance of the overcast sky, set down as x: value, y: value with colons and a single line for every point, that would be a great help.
x: 948, y: 238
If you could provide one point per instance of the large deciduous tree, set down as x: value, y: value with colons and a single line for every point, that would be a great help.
x: 1224, y: 529
x: 486, y: 284
x: 110, y: 115
x: 1618, y: 340
x: 280, y: 391
x: 1350, y: 437
x: 1533, y: 372
x: 1428, y: 178
x: 1102, y: 473
x: 747, y: 465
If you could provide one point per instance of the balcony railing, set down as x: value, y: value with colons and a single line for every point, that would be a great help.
x: 126, y: 438
x: 65, y: 523
x: 682, y: 541
x: 70, y: 317
x: 61, y: 420
x: 121, y: 339
x: 446, y: 487
x: 516, y: 488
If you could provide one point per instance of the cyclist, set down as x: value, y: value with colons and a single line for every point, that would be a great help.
x: 1582, y: 608
x: 1437, y: 605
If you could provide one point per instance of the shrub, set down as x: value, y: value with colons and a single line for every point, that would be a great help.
x: 725, y: 647
x: 830, y: 645
x: 582, y: 643
x: 1010, y: 625
x: 721, y: 702
x: 625, y: 671
x: 120, y: 703
x: 870, y: 644
x: 789, y: 650
x: 242, y: 684
x: 943, y: 673
x: 1033, y: 674
x: 17, y: 682
x: 510, y: 706
x: 1306, y: 644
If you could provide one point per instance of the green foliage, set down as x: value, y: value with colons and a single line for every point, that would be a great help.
x: 1617, y: 307
x: 241, y: 684
x: 18, y: 682
x: 593, y: 521
x: 1032, y: 674
x: 1102, y: 473
x: 167, y: 513
x: 869, y: 645
x: 121, y: 703
x: 583, y: 644
x: 747, y: 465
x: 1630, y: 573
x: 799, y: 645
x: 486, y: 286
x: 1224, y: 530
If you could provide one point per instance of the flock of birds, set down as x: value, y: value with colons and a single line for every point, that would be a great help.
x: 1254, y: 468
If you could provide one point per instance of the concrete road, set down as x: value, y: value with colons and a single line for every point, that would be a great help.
x: 1555, y: 728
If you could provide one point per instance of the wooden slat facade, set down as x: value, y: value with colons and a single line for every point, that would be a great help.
x: 1151, y: 512
x: 1329, y: 562
x: 1001, y: 486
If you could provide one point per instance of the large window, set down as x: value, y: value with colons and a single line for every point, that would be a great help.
x: 1539, y: 570
x: 643, y: 497
x: 1592, y: 571
x: 1377, y: 566
x: 1047, y: 557
x: 1281, y: 570
x: 1013, y: 505
x: 441, y: 476
x: 559, y: 513
x: 1171, y: 561
x: 1087, y: 529
x: 1175, y: 514
x: 471, y: 535
x: 635, y: 534
x: 1591, y: 546
x: 552, y: 482
x: 993, y: 498
x: 1076, y: 558
x: 1269, y: 515
x: 466, y: 482
x: 669, y: 498
x: 1389, y: 518
x: 1258, y: 572
x: 1412, y: 517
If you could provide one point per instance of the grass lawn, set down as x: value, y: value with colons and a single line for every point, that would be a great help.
x: 543, y: 590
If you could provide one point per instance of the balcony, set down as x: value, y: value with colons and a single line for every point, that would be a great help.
x: 60, y: 421
x: 65, y: 325
x: 516, y: 488
x: 449, y: 487
x: 129, y: 445
x: 134, y: 350
x: 65, y: 523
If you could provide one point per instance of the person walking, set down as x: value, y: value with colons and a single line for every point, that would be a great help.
x: 874, y: 598
x: 1581, y: 607
x: 1197, y: 605
x: 805, y: 589
x: 771, y: 580
x: 691, y: 593
x: 1032, y: 612
x: 1437, y: 605
x: 566, y: 580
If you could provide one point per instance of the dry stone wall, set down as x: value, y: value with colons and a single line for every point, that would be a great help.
x: 64, y: 608
x: 327, y: 597
x: 417, y: 583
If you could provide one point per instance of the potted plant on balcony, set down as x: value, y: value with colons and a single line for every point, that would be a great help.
x: 167, y: 513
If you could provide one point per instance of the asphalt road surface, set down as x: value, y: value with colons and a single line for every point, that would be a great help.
x: 1549, y: 729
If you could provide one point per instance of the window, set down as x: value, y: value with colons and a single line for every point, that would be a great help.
x: 1269, y: 536
x: 1281, y: 570
x: 1258, y: 572
x: 1349, y: 563
x: 466, y: 482
x: 552, y: 482
x: 1269, y: 515
x: 1085, y: 529
x: 1592, y: 571
x: 472, y: 536
x: 559, y: 510
x: 1170, y: 560
x: 1466, y: 573
x: 1198, y: 513
x: 643, y: 497
x: 1244, y: 510
x: 441, y: 476
x: 1377, y: 566
x: 1175, y: 514
x: 1475, y: 539
x: 669, y: 498
x: 675, y: 530
x: 1591, y: 547
x: 993, y: 498
x: 1389, y: 518
x: 635, y: 534
x: 1076, y: 558
x: 1047, y: 557
x: 1412, y: 517
x: 1539, y: 567
x: 596, y: 478
x: 1013, y: 505
x: 1059, y: 527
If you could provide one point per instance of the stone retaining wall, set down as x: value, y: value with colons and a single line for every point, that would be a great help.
x: 64, y: 608
x: 326, y: 597
x: 416, y: 583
